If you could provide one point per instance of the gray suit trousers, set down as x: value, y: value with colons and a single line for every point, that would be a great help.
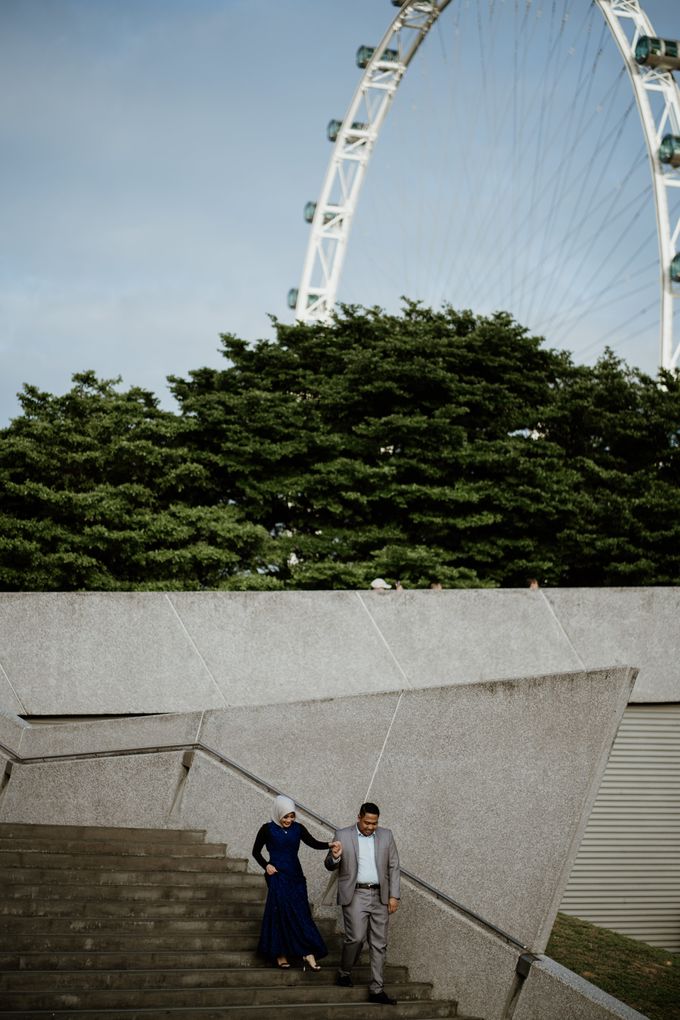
x: 365, y: 919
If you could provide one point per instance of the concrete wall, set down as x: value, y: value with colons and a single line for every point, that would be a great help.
x: 487, y: 787
x: 95, y: 654
x: 553, y: 991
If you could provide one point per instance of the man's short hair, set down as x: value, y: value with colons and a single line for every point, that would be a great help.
x: 369, y: 808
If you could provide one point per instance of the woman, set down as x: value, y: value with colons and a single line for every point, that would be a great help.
x: 287, y: 925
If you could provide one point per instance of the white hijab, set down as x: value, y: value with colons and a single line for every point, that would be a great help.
x: 282, y: 806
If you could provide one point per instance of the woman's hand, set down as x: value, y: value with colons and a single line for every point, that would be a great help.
x: 271, y: 870
x: 336, y: 848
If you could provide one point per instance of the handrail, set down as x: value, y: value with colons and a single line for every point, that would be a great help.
x: 212, y: 752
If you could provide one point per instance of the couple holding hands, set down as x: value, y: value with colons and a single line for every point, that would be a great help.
x: 366, y: 857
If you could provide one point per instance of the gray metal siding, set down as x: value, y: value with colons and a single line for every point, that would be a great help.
x: 627, y: 872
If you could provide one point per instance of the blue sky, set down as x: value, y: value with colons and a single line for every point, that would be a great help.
x: 157, y: 154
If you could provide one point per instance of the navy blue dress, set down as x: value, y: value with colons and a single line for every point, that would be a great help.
x: 287, y: 926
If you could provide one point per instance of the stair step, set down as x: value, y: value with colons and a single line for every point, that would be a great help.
x: 95, y: 942
x: 10, y: 830
x: 131, y: 876
x: 425, y: 1010
x: 139, y: 892
x: 130, y: 943
x: 235, y: 926
x: 116, y: 959
x: 75, y: 861
x: 37, y: 907
x: 261, y: 995
x: 177, y: 977
x: 35, y: 844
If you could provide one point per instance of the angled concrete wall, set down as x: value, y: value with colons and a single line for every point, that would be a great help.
x: 487, y: 787
x: 94, y: 654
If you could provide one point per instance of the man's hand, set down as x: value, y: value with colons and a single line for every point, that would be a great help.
x: 336, y: 848
x: 392, y: 905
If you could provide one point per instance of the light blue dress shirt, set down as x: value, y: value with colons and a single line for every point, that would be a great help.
x: 367, y: 871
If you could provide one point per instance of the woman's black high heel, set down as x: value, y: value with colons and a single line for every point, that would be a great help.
x: 307, y: 962
x: 283, y: 965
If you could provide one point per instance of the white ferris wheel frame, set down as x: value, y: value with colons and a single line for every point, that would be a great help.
x: 658, y: 100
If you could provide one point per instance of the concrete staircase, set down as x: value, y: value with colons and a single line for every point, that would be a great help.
x: 126, y: 924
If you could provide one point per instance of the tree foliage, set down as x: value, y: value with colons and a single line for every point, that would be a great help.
x: 97, y: 492
x: 428, y: 446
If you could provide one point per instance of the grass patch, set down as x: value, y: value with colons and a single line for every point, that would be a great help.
x: 642, y: 976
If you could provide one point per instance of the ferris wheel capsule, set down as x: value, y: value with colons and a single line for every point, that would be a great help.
x: 669, y: 150
x: 364, y: 54
x: 662, y: 54
x: 292, y: 298
x: 675, y: 269
x: 419, y: 5
x: 333, y: 129
x: 309, y: 212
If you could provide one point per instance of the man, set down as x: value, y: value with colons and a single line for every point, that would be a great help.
x: 368, y: 892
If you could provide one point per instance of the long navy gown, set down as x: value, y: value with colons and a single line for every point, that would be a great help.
x: 287, y: 926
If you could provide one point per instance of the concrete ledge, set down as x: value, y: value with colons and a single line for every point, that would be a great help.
x: 135, y: 790
x: 13, y: 730
x: 105, y: 735
x: 553, y: 991
x: 150, y: 652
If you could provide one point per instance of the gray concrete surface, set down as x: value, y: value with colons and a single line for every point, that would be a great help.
x: 13, y: 729
x: 336, y: 751
x: 553, y: 991
x: 322, y: 752
x: 625, y: 626
x: 108, y: 653
x: 487, y: 787
x: 463, y: 961
x: 112, y: 734
x: 93, y: 653
x: 134, y: 790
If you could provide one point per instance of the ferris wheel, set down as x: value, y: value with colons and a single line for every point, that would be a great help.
x: 649, y: 62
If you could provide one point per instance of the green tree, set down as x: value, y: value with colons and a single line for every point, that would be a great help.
x: 97, y: 492
x: 400, y: 445
x: 427, y: 446
x: 620, y: 432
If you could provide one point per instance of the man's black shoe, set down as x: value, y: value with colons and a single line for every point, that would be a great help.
x: 382, y: 997
x: 344, y: 980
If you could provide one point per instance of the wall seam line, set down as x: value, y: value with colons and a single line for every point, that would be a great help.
x: 382, y: 749
x: 407, y: 683
x: 196, y: 648
x: 12, y: 689
x: 561, y: 627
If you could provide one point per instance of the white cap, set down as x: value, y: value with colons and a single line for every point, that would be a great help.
x: 378, y: 582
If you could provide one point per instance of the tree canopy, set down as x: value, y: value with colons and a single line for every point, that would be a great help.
x: 430, y: 446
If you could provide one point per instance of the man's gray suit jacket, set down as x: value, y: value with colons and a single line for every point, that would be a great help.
x: 386, y: 858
